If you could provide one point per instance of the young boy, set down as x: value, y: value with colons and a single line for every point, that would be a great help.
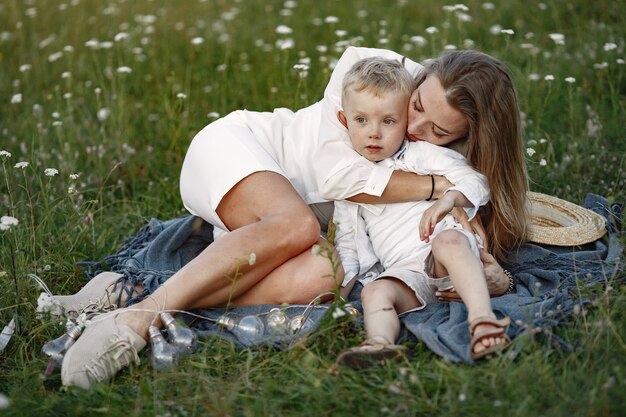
x: 380, y: 244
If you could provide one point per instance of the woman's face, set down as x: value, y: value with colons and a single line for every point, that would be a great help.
x: 431, y: 118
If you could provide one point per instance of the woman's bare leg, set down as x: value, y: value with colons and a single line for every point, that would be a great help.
x: 297, y: 281
x: 266, y: 217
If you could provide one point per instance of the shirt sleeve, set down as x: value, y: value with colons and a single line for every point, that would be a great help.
x: 425, y: 158
x: 341, y: 172
x: 345, y: 240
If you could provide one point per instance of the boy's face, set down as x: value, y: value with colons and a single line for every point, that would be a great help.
x: 376, y: 124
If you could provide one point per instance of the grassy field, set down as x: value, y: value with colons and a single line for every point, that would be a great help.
x: 101, y: 98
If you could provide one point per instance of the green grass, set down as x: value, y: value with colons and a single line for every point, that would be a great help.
x: 55, y: 83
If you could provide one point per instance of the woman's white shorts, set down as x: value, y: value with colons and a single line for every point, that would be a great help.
x: 219, y: 156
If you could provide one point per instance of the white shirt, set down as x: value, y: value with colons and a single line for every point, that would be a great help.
x: 312, y: 146
x: 387, y: 233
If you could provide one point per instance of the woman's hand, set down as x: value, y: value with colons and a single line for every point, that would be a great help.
x: 497, y: 281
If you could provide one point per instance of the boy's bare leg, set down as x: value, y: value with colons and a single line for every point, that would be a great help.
x: 382, y: 300
x: 453, y: 256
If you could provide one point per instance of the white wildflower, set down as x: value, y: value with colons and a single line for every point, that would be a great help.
x: 16, y: 98
x: 5, y: 402
x: 283, y: 30
x: 120, y: 36
x: 558, y: 38
x: 331, y: 19
x: 609, y: 46
x: 21, y: 165
x: 601, y: 65
x: 55, y: 56
x: 543, y: 162
x: 488, y: 6
x: 549, y: 77
x: 507, y: 31
x: 82, y: 320
x: 285, y: 43
x: 213, y: 115
x: 197, y: 41
x: 124, y: 70
x: 106, y: 45
x: 5, y: 154
x: 51, y: 172
x: 570, y: 80
x: 57, y: 123
x: 74, y: 176
x: 72, y: 190
x: 341, y: 33
x: 47, y: 304
x: 66, y: 74
x: 530, y: 151
x: 431, y: 30
x: 462, y: 397
x: 103, y: 114
x: 25, y: 67
x: 92, y: 44
x: 495, y: 29
x: 338, y: 312
x: 67, y: 96
x: 418, y: 40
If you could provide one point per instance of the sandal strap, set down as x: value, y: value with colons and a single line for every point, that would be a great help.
x: 490, y: 321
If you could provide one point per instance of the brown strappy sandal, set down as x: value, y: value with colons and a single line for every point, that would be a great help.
x: 499, y: 331
x: 370, y: 352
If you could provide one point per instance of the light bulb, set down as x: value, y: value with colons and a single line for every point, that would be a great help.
x: 247, y: 329
x: 183, y: 338
x: 163, y: 354
x: 276, y: 321
x: 299, y: 324
x: 56, y: 348
x: 351, y: 310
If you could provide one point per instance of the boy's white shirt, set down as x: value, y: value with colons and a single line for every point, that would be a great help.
x: 356, y: 248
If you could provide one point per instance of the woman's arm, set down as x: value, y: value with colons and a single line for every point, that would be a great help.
x: 406, y: 186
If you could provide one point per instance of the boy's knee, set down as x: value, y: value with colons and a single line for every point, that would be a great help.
x: 375, y: 290
x: 448, y: 239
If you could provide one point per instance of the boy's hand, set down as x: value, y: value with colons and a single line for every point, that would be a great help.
x: 434, y: 214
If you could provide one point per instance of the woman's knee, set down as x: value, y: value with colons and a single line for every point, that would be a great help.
x: 300, y: 226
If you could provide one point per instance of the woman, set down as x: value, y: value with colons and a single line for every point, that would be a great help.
x: 286, y: 161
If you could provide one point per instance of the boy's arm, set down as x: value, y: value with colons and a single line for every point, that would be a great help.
x: 439, y: 210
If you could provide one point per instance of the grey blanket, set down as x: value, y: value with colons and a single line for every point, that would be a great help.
x: 549, y: 284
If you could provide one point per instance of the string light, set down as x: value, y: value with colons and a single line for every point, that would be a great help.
x: 164, y: 355
x: 183, y: 338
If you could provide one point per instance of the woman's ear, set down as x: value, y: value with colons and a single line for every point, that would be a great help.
x: 342, y: 118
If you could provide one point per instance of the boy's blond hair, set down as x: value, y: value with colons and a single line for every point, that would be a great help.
x: 378, y: 76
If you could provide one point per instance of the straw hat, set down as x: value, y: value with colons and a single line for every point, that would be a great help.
x: 560, y: 223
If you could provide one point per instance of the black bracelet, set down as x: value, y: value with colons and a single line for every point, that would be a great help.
x: 432, y: 188
x: 511, y: 282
